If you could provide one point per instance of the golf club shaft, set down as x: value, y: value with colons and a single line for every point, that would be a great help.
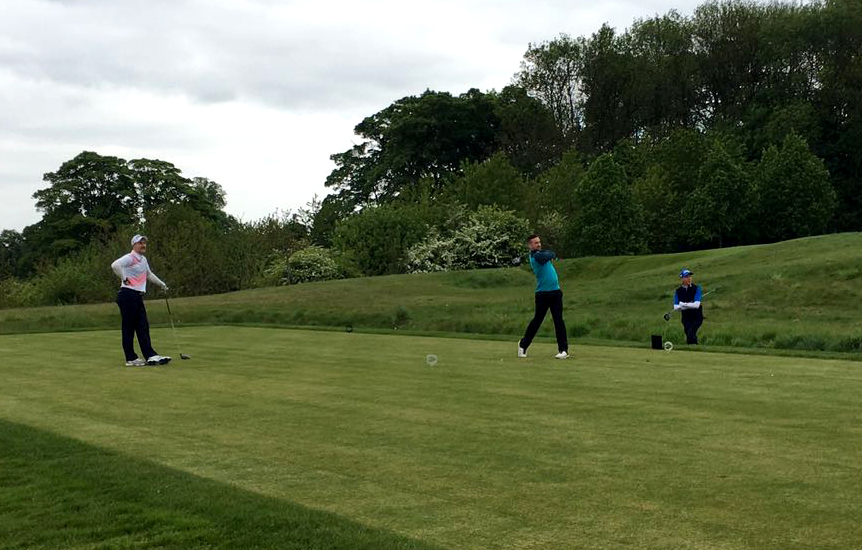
x: 669, y: 313
x: 173, y: 328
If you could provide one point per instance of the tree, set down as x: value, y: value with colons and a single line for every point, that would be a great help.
x: 333, y: 208
x: 552, y: 202
x: 609, y: 221
x: 796, y: 197
x: 11, y: 253
x: 839, y: 105
x: 528, y: 134
x: 89, y: 196
x: 414, y: 139
x: 608, y: 81
x: 552, y: 71
x: 722, y: 201
x: 160, y: 184
x: 671, y: 175
x: 493, y: 181
x: 376, y: 240
x: 666, y: 87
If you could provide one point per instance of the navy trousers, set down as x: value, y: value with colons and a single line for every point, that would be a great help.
x: 134, y: 316
x: 552, y: 300
x: 690, y: 327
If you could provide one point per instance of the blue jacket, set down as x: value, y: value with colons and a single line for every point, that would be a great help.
x: 546, y: 275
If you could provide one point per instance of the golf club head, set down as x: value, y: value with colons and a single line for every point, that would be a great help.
x: 667, y: 316
x: 184, y: 356
x: 517, y: 261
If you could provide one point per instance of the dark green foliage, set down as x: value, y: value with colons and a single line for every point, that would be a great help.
x: 377, y: 239
x: 608, y: 220
x: 492, y: 182
x: 333, y: 208
x: 11, y: 253
x: 92, y: 196
x: 758, y: 71
x: 89, y: 197
x: 552, y: 203
x: 415, y: 138
x: 795, y: 194
x: 722, y: 202
x: 551, y: 71
x: 527, y: 135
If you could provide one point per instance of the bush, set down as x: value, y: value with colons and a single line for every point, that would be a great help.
x: 82, y: 278
x: 377, y: 239
x: 16, y: 293
x: 490, y: 237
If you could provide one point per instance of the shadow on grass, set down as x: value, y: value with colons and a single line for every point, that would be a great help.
x: 57, y: 492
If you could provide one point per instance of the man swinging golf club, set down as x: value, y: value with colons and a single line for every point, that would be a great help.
x: 548, y: 296
x: 134, y: 272
x: 687, y: 300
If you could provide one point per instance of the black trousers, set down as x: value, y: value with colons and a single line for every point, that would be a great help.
x: 134, y: 316
x: 690, y: 326
x: 552, y: 300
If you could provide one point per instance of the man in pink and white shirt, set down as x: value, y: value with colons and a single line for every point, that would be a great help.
x: 134, y: 271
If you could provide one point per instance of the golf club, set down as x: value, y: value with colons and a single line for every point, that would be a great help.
x: 174, y: 330
x: 668, y: 314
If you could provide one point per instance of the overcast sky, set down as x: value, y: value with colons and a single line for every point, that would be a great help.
x: 254, y: 94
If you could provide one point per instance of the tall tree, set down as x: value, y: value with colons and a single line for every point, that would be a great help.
x: 11, y: 253
x: 796, y: 197
x: 839, y: 105
x: 528, y: 134
x: 88, y: 196
x: 609, y: 221
x: 721, y: 202
x: 552, y: 71
x: 416, y: 138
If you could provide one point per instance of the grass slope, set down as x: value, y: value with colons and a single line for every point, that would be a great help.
x: 796, y: 295
x: 330, y: 435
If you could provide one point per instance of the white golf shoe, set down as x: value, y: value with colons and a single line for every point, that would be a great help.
x: 136, y: 363
x: 158, y: 360
x: 562, y: 355
x: 521, y: 351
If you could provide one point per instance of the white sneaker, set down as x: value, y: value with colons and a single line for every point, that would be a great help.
x: 521, y: 351
x: 562, y: 355
x: 136, y: 363
x: 158, y: 360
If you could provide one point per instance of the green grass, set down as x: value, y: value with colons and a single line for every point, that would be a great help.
x: 800, y: 295
x: 334, y: 440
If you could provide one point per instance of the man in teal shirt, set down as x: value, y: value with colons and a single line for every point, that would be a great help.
x: 548, y: 296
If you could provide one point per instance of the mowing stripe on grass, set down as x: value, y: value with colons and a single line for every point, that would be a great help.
x: 612, y: 448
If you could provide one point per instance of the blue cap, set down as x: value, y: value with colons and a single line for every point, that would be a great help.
x: 685, y: 273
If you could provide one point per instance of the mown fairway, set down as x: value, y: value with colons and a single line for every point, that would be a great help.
x: 297, y: 439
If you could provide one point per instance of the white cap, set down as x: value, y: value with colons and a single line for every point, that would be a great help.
x: 138, y: 238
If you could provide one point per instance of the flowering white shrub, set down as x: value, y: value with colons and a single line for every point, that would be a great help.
x: 489, y: 237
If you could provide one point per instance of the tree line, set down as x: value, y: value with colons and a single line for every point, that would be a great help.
x: 739, y: 124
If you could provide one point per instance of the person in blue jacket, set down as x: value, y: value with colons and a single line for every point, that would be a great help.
x: 687, y: 300
x: 548, y: 296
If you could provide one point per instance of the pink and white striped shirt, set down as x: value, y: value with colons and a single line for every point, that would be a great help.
x: 134, y: 271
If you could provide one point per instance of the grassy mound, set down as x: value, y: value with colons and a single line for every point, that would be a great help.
x: 796, y: 295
